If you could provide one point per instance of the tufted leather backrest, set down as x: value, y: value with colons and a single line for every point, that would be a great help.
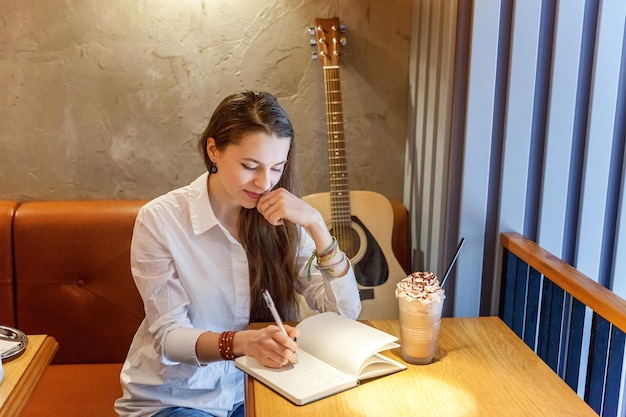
x: 7, y: 211
x: 73, y: 279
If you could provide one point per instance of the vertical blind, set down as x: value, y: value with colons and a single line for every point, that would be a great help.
x: 436, y: 131
x: 518, y: 124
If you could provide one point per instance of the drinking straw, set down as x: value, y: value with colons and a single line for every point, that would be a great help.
x: 456, y: 255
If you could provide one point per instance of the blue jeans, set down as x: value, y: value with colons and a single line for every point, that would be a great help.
x: 190, y: 412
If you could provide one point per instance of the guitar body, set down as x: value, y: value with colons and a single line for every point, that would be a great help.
x: 375, y: 265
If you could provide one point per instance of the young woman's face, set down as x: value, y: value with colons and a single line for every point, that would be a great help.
x: 250, y: 169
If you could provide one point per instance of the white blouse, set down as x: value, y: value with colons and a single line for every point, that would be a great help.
x: 193, y: 276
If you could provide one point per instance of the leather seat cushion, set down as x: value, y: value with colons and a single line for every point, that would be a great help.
x: 76, y: 391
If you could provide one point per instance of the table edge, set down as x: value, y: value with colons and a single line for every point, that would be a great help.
x: 33, y: 373
x: 249, y: 403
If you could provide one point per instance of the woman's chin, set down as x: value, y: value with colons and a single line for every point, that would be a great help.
x: 247, y: 204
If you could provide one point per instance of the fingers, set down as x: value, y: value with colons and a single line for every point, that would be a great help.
x: 288, y: 341
x: 286, y: 346
x: 280, y: 348
x: 279, y: 205
x: 272, y: 207
x: 292, y: 332
x: 268, y: 200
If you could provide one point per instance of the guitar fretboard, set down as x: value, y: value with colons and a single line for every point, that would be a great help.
x: 337, y: 163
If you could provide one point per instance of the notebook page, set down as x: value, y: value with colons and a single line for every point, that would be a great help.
x: 308, y: 380
x: 342, y: 342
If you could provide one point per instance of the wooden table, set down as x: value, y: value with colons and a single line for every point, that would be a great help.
x: 481, y: 368
x: 22, y: 374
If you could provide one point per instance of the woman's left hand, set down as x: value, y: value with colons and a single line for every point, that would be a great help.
x: 279, y: 205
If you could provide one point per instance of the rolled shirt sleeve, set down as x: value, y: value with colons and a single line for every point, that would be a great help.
x: 180, y: 345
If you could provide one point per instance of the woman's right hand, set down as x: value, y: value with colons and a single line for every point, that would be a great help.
x: 269, y: 346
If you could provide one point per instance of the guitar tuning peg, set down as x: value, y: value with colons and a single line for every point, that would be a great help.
x: 313, y: 42
x: 314, y: 56
x: 343, y: 41
x: 311, y: 30
x: 342, y: 28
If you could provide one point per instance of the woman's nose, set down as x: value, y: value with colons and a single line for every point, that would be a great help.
x: 263, y: 180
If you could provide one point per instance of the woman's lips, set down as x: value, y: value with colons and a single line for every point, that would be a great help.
x: 254, y: 196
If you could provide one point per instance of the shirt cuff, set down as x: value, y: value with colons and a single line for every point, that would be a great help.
x: 345, y: 293
x: 180, y: 345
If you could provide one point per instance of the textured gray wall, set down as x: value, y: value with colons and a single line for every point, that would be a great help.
x: 106, y: 99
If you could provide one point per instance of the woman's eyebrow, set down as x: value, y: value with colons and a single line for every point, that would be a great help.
x: 260, y: 163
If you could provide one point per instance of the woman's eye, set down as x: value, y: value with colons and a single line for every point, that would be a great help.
x: 279, y: 170
x: 249, y: 168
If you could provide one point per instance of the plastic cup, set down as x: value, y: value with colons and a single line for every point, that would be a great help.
x: 419, y: 329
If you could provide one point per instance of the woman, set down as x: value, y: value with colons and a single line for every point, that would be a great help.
x: 201, y: 256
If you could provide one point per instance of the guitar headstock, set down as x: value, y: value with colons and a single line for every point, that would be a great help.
x: 327, y: 37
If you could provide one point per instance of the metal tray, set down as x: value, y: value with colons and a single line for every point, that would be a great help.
x: 13, y: 335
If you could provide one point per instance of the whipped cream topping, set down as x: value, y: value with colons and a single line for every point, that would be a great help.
x: 423, y: 286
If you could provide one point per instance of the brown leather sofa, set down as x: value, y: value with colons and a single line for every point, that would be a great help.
x: 73, y: 282
x: 7, y: 212
x: 64, y: 271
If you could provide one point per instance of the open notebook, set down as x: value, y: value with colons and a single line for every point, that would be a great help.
x: 334, y: 354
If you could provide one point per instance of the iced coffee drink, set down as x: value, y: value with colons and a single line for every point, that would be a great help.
x: 420, y: 299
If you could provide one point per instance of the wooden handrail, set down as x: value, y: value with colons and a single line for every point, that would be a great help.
x: 600, y: 299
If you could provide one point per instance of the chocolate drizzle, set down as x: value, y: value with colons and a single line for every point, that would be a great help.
x: 423, y: 286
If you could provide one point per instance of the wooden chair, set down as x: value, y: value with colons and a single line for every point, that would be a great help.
x: 574, y: 324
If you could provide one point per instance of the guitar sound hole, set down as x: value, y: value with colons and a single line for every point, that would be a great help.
x: 349, y: 241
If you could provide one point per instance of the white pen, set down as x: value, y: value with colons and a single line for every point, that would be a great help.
x: 270, y: 304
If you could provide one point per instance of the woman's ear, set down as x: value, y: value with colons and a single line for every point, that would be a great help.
x: 211, y: 149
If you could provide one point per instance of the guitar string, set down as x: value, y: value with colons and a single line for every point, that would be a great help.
x: 340, y: 203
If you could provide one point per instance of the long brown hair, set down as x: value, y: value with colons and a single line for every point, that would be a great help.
x: 271, y: 250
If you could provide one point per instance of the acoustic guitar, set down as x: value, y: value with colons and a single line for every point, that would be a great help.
x: 361, y: 221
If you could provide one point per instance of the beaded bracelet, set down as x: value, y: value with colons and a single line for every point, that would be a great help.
x: 226, y: 345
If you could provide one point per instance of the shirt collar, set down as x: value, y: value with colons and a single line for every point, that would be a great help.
x: 200, y: 210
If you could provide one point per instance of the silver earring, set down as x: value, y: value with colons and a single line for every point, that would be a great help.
x: 213, y: 168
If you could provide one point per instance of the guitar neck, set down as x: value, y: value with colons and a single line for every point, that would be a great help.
x: 337, y: 162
